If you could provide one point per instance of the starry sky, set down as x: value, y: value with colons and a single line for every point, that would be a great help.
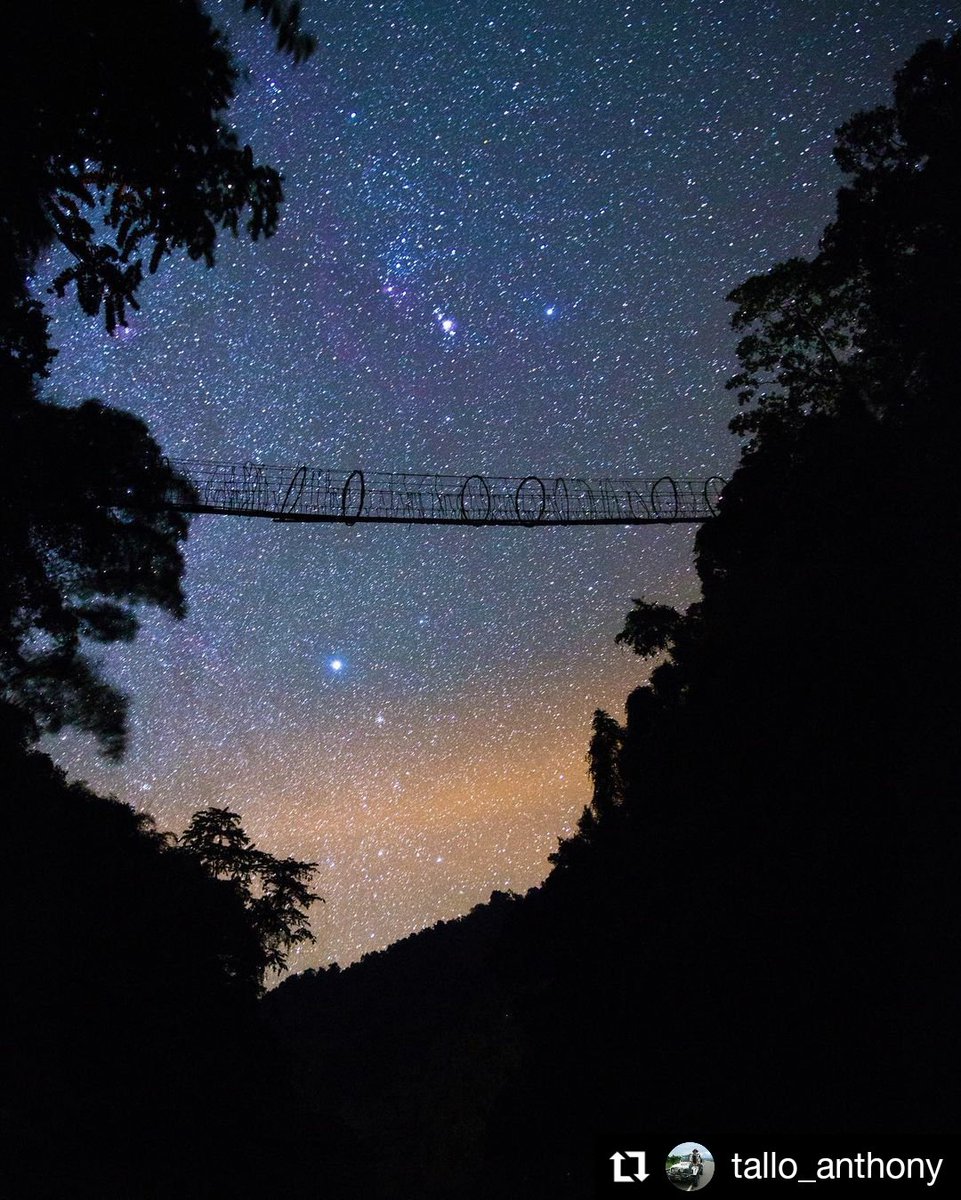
x: 508, y: 234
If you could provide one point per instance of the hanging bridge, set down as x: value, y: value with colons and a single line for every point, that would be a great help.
x: 304, y: 493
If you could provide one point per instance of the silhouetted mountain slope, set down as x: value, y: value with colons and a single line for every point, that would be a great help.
x: 755, y: 927
x: 137, y: 1061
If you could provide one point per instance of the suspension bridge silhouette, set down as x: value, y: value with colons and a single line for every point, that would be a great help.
x: 304, y: 493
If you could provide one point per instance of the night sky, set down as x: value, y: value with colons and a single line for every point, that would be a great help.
x: 508, y: 233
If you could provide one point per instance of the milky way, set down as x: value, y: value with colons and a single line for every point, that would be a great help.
x: 508, y: 235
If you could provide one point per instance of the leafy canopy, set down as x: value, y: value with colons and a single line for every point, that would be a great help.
x: 275, y: 891
x: 818, y: 570
x: 866, y: 326
x: 86, y: 540
x: 117, y: 153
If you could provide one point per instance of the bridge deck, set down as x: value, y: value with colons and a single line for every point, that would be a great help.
x: 317, y: 494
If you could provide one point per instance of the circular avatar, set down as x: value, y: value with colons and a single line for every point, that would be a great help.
x: 689, y: 1166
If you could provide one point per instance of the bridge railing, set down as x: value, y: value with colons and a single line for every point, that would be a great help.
x: 305, y: 493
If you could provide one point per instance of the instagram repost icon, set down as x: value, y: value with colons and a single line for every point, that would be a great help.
x: 689, y: 1166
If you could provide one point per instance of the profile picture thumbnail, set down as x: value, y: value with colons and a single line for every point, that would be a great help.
x: 689, y: 1166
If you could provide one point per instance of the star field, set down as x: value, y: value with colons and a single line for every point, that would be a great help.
x: 508, y: 233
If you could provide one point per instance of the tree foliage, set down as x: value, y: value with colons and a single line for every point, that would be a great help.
x: 649, y: 628
x: 87, y: 539
x: 275, y: 891
x: 285, y: 18
x: 866, y: 324
x: 117, y: 154
x: 796, y: 358
x: 603, y: 764
x: 605, y: 769
x: 848, y: 371
x: 135, y: 141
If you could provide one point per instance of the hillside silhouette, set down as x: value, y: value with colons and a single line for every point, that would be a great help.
x: 138, y: 1063
x: 764, y: 881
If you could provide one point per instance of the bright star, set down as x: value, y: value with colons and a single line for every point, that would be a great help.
x: 336, y: 664
x: 448, y: 324
x: 550, y: 310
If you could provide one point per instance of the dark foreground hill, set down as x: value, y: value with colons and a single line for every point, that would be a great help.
x: 136, y: 1061
x: 756, y: 926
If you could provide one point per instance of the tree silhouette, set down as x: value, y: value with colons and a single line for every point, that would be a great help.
x: 649, y: 628
x: 604, y: 767
x: 275, y: 891
x: 117, y: 159
x: 793, y: 721
x: 866, y: 320
x: 285, y: 18
x: 846, y: 382
x: 138, y: 138
x: 216, y: 838
x: 87, y: 539
x: 280, y: 912
x: 603, y: 764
